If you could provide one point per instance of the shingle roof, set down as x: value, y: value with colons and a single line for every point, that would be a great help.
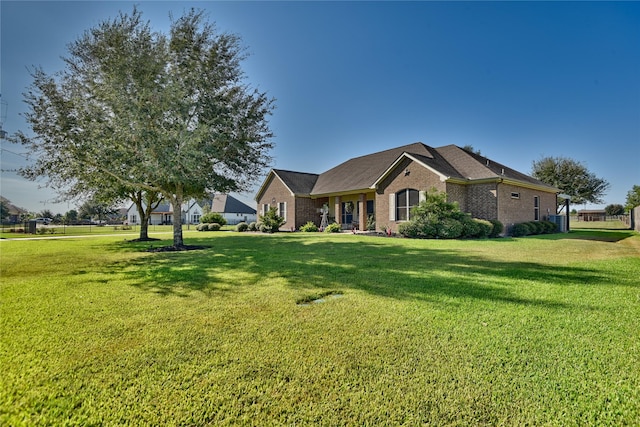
x: 224, y: 203
x: 473, y: 166
x: 361, y: 172
x: 297, y: 182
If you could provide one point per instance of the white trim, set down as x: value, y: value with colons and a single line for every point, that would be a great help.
x: 392, y: 206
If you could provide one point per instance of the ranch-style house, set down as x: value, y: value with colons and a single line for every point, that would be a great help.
x: 385, y: 186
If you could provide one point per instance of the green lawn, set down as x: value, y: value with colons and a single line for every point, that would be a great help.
x: 540, y: 330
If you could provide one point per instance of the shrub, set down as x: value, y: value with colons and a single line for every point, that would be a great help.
x: 214, y: 226
x: 409, y: 229
x: 253, y: 226
x: 201, y: 227
x: 450, y: 228
x: 242, y: 226
x: 271, y: 221
x: 263, y: 228
x: 333, y: 228
x: 536, y: 227
x: 309, y: 227
x: 485, y: 228
x: 213, y: 217
x: 521, y: 229
x: 550, y: 227
x: 470, y: 228
x: 371, y: 223
x: 498, y: 228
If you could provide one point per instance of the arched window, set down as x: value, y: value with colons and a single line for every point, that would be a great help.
x: 405, y: 201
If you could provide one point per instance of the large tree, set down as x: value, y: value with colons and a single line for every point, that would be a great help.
x: 571, y: 177
x: 152, y: 113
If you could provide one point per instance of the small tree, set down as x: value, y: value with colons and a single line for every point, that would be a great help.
x: 614, y: 209
x: 271, y: 221
x: 633, y: 198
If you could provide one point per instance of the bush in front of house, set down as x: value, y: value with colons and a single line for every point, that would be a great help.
x: 271, y: 221
x: 213, y: 217
x: 533, y: 228
x: 253, y: 226
x: 498, y: 228
x: 241, y: 227
x: 309, y: 227
x: 485, y: 228
x: 520, y: 230
x: 435, y: 218
x: 333, y: 228
x: 214, y: 226
x: 550, y: 227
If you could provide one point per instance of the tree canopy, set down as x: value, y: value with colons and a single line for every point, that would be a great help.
x: 571, y: 177
x: 633, y: 197
x: 139, y: 111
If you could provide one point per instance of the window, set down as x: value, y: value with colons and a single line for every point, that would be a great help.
x: 195, y: 218
x: 134, y: 219
x: 347, y: 217
x: 536, y: 208
x: 265, y: 209
x: 515, y: 195
x: 282, y: 210
x: 405, y: 201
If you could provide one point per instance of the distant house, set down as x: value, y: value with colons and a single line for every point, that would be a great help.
x: 385, y: 186
x: 163, y: 214
x: 232, y: 209
x: 592, y: 215
x: 14, y: 213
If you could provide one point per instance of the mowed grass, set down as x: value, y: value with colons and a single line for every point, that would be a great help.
x: 540, y: 330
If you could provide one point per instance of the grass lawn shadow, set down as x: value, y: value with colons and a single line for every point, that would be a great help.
x: 389, y: 268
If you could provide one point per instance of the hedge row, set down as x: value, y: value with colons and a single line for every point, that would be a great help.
x: 533, y: 228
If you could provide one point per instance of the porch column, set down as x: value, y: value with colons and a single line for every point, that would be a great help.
x: 362, y: 211
x: 338, y: 209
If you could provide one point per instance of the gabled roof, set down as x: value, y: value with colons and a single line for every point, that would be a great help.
x: 360, y: 173
x: 364, y: 173
x: 224, y: 203
x: 298, y: 183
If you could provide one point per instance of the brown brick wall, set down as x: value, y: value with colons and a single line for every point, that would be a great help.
x: 276, y: 193
x: 308, y: 209
x: 513, y: 211
x: 482, y: 201
x: 419, y: 178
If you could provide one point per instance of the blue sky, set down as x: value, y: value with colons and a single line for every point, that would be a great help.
x: 516, y: 80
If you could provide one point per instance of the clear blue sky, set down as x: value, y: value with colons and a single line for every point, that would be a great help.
x: 516, y: 80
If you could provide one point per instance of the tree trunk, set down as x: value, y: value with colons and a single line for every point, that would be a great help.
x: 144, y: 219
x: 176, y: 200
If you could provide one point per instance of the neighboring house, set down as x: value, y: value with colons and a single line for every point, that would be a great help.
x: 14, y: 213
x: 163, y: 214
x: 592, y: 215
x: 387, y: 184
x: 232, y: 209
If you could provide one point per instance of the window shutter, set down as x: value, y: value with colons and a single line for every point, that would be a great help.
x: 284, y: 211
x: 423, y: 196
x: 392, y: 206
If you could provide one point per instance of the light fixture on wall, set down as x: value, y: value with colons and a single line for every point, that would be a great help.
x: 406, y: 172
x: 273, y: 200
